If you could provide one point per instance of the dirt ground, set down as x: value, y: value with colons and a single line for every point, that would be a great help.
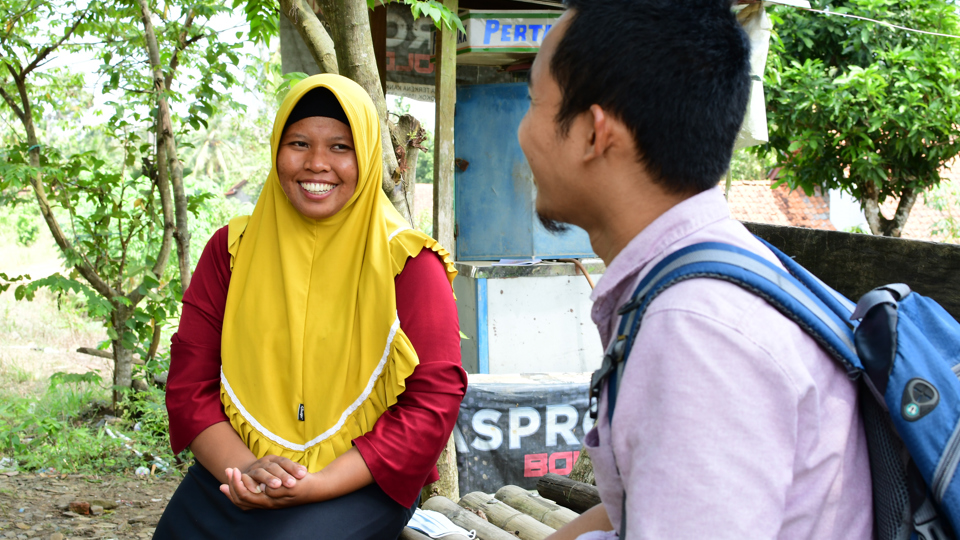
x: 37, y: 506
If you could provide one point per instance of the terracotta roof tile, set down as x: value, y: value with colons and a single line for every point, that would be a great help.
x: 753, y: 200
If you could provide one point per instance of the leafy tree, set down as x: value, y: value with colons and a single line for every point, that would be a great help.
x: 865, y: 107
x: 117, y: 211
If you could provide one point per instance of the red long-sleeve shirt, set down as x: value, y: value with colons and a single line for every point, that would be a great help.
x: 402, y: 449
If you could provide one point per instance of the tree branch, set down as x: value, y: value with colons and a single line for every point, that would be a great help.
x: 182, y: 44
x: 13, y: 104
x: 313, y: 33
x: 50, y: 48
x: 174, y: 168
x: 83, y: 265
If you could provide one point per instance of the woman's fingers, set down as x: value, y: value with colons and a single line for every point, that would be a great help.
x: 290, y: 467
x: 283, y: 477
x: 239, y: 490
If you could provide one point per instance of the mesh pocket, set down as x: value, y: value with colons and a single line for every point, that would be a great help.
x: 891, y: 499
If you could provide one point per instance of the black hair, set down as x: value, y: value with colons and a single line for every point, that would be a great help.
x: 676, y: 72
x: 319, y: 101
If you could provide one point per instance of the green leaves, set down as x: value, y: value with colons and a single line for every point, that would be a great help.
x: 850, y: 102
x: 434, y: 9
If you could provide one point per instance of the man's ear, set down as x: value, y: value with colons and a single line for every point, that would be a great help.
x: 601, y: 134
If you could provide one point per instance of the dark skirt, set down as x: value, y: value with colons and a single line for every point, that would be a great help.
x: 199, y: 510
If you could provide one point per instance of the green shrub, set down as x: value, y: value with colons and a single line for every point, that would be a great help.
x: 27, y: 230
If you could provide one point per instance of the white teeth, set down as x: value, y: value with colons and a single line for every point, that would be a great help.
x: 316, y: 187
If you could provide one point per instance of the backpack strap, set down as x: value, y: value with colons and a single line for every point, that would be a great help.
x: 804, y: 299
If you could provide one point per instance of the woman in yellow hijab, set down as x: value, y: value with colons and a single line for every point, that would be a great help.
x: 316, y: 372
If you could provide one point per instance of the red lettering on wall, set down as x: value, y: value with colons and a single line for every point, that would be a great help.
x: 535, y: 465
x: 567, y: 458
x: 418, y: 64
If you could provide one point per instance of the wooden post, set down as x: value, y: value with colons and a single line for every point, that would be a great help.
x: 543, y: 510
x: 576, y: 496
x: 467, y: 520
x: 446, y: 97
x: 505, y: 517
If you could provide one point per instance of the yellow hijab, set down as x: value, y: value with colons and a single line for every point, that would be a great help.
x: 311, y: 317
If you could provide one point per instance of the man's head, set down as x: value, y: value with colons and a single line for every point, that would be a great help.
x: 656, y: 87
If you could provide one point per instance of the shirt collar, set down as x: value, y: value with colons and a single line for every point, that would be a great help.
x: 651, y: 244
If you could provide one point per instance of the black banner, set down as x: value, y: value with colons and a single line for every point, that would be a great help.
x: 515, y: 432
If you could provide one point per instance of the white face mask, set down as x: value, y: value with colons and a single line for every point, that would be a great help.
x: 436, y: 525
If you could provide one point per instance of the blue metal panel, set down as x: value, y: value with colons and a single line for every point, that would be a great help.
x: 483, y: 338
x: 495, y: 194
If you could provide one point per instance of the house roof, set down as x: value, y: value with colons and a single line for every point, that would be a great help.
x: 753, y: 200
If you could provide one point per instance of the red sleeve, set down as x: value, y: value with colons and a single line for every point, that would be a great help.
x: 193, y: 384
x: 405, y: 443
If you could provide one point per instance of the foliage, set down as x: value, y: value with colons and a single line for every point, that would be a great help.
x: 747, y: 165
x: 425, y: 160
x: 27, y: 230
x: 945, y: 198
x: 65, y: 428
x: 104, y: 182
x: 434, y: 9
x: 865, y: 107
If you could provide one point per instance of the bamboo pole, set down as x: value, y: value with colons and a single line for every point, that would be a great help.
x: 543, y: 510
x: 466, y: 519
x: 507, y: 518
x: 576, y: 496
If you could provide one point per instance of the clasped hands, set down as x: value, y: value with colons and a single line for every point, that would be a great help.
x: 270, y: 482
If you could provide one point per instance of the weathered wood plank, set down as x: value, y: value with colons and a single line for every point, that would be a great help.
x: 576, y: 496
x: 466, y: 519
x: 853, y: 264
x: 505, y: 517
x: 543, y: 510
x: 446, y: 98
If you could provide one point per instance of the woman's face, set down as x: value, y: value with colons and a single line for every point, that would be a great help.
x: 317, y: 166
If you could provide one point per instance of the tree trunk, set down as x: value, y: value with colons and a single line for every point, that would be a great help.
x: 448, y: 485
x: 313, y: 33
x: 122, y: 357
x: 583, y: 468
x: 350, y: 29
x: 407, y: 137
x: 165, y: 138
x: 880, y: 225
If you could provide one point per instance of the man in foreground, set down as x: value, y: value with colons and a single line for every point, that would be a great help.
x: 731, y: 422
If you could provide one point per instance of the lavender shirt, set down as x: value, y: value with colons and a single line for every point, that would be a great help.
x: 731, y: 422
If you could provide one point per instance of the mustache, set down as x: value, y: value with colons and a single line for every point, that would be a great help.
x: 551, y: 225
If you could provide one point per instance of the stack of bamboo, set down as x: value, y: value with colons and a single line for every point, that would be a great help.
x: 514, y: 512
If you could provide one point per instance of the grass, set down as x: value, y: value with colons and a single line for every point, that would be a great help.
x: 55, y: 410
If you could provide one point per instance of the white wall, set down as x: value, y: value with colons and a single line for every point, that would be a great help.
x: 541, y: 325
x: 845, y: 212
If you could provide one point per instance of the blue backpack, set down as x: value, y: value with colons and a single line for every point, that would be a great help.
x: 903, y: 347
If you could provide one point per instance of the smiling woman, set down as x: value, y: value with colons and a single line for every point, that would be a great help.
x: 318, y: 336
